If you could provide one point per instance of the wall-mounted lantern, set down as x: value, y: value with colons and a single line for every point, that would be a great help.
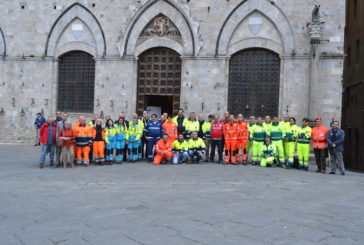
x: 22, y: 113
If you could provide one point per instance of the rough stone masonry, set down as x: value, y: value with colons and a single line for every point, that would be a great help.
x: 205, y: 33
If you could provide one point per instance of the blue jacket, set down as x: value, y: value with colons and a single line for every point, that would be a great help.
x: 153, y: 129
x: 339, y: 142
x: 39, y: 121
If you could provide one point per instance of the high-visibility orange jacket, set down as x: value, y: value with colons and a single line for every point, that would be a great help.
x: 242, y: 131
x: 170, y: 129
x: 319, y: 135
x: 93, y: 133
x: 231, y: 131
x: 83, y: 135
x: 163, y: 146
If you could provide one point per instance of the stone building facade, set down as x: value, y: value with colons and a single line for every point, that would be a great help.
x: 353, y: 100
x: 207, y: 56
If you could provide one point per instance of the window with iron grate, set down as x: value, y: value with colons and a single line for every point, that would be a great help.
x: 76, y: 82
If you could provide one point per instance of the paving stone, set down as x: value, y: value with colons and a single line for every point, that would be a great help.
x: 189, y: 204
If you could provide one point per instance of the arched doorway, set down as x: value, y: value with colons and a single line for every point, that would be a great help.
x: 159, y: 81
x: 254, y: 77
x: 76, y: 82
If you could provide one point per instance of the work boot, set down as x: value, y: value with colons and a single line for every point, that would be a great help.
x: 41, y: 166
x: 332, y: 172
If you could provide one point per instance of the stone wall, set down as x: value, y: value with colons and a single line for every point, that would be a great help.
x: 36, y: 33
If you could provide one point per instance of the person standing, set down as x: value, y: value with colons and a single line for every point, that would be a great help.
x: 257, y: 134
x: 110, y: 140
x: 61, y: 118
x: 217, y: 133
x: 121, y: 136
x: 39, y: 121
x: 47, y: 134
x: 277, y: 134
x: 163, y: 150
x: 267, y: 122
x: 180, y: 120
x: 134, y: 116
x: 231, y: 130
x: 170, y: 129
x: 153, y: 132
x: 206, y: 135
x: 196, y: 148
x: 335, y: 139
x: 126, y: 123
x: 180, y: 150
x: 249, y: 143
x: 83, y: 140
x: 67, y: 136
x: 134, y: 134
x: 285, y: 124
x: 242, y: 139
x: 145, y: 119
x: 291, y: 134
x: 98, y: 145
x: 303, y: 144
x: 319, y: 138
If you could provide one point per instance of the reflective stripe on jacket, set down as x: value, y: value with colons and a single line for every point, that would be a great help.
x: 319, y: 135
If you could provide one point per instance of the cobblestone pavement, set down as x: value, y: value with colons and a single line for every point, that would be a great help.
x: 187, y: 204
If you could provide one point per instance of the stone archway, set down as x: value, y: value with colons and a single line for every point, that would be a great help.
x: 159, y: 80
x: 254, y: 81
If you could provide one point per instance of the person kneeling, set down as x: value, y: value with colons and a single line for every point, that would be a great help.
x: 163, y: 150
x: 180, y: 148
x: 196, y: 148
x: 268, y: 153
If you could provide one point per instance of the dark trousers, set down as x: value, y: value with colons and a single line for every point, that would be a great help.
x: 125, y: 153
x: 320, y: 156
x: 150, y: 145
x: 214, y: 144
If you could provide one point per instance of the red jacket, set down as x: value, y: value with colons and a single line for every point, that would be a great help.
x: 67, y: 133
x: 217, y: 130
x: 43, y: 132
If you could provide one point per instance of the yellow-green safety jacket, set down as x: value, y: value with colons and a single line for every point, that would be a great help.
x: 276, y: 132
x: 135, y: 130
x: 196, y: 144
x: 257, y: 132
x: 180, y: 146
x: 268, y: 150
x: 291, y: 132
x: 109, y: 132
x: 303, y: 135
x: 192, y: 126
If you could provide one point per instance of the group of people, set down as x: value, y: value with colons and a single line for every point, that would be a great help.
x: 178, y: 139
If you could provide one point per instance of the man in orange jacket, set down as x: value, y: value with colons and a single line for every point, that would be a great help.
x: 83, y: 140
x: 170, y: 129
x: 230, y: 136
x: 242, y: 139
x: 163, y: 150
x: 319, y: 143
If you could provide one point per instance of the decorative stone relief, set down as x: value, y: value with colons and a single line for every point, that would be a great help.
x: 160, y: 26
x: 185, y: 9
x: 255, y: 25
